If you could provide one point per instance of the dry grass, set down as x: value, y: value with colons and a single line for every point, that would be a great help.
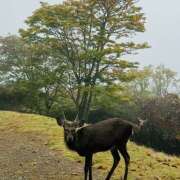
x: 146, y: 164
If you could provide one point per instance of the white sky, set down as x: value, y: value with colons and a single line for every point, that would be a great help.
x: 163, y: 28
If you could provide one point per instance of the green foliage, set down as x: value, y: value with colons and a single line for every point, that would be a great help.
x: 10, y: 98
x: 32, y: 70
x: 89, y: 39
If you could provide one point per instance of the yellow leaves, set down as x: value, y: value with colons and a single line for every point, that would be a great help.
x: 84, y: 15
x: 136, y: 18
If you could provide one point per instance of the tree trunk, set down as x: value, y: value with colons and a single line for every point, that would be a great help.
x: 84, y: 106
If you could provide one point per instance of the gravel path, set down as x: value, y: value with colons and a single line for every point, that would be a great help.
x: 25, y: 156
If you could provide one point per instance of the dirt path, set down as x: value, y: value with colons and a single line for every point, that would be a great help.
x: 27, y: 157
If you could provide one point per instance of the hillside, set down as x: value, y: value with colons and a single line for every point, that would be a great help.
x: 36, y: 143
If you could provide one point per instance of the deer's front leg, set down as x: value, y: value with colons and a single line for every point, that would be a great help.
x: 86, y: 167
x: 90, y: 167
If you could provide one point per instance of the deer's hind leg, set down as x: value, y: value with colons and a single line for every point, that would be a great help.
x: 123, y: 151
x: 116, y: 158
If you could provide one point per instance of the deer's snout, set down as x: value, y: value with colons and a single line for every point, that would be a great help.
x: 69, y: 135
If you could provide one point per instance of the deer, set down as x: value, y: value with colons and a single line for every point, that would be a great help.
x: 107, y: 135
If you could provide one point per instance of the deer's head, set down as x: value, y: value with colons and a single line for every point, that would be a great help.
x: 69, y: 128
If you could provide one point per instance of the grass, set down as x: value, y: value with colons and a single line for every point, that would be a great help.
x: 146, y: 164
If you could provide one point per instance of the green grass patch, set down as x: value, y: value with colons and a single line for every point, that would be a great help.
x: 146, y: 164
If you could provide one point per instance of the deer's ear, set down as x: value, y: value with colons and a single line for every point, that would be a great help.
x: 79, y: 123
x: 60, y: 122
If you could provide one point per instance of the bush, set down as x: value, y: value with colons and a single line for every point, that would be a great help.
x: 162, y: 132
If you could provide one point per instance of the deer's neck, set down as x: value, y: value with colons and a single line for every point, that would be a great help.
x: 71, y: 144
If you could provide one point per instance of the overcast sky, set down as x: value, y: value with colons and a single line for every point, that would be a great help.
x: 162, y: 28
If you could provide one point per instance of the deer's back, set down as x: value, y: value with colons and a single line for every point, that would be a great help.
x: 104, y: 135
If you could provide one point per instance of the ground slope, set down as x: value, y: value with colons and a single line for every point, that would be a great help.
x: 31, y: 147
